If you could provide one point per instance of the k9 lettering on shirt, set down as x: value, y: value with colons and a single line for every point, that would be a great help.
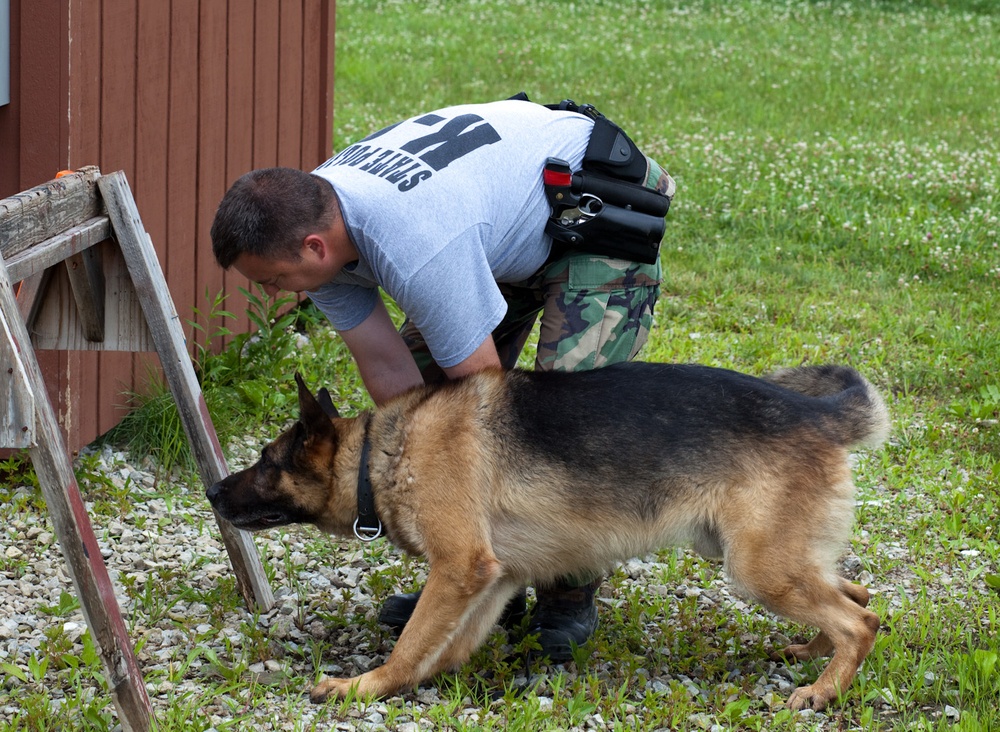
x: 408, y: 162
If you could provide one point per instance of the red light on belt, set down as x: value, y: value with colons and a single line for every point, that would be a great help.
x: 557, y: 178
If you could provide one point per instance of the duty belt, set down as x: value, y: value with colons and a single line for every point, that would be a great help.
x: 609, y: 206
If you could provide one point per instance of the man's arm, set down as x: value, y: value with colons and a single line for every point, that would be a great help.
x: 484, y: 357
x: 385, y: 363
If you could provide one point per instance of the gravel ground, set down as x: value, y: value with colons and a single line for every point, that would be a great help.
x: 323, y: 586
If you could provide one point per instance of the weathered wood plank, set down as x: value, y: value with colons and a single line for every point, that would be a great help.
x: 29, y: 293
x: 47, y: 210
x: 17, y: 403
x: 57, y: 323
x: 76, y: 535
x: 51, y: 251
x: 163, y: 322
x: 17, y: 419
x: 86, y: 279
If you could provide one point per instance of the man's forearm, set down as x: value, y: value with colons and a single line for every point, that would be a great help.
x: 385, y: 380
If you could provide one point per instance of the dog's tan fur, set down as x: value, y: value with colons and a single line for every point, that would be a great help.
x: 452, y: 484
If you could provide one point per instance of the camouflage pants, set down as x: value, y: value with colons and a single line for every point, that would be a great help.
x: 594, y: 311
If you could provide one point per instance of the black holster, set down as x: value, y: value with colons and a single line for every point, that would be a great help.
x: 603, y: 215
x: 606, y: 207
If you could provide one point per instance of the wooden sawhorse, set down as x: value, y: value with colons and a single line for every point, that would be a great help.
x: 64, y: 221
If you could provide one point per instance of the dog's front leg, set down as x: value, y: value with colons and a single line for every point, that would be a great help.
x: 451, y: 607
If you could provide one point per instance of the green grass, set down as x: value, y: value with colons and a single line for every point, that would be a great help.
x: 837, y: 167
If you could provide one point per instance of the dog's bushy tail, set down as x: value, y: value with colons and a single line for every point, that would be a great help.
x: 864, y: 418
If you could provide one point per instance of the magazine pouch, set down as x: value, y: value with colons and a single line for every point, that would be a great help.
x: 615, y: 204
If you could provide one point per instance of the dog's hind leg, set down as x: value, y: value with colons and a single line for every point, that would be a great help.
x: 803, y: 593
x: 821, y: 645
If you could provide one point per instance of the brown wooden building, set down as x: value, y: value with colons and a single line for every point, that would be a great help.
x: 182, y: 95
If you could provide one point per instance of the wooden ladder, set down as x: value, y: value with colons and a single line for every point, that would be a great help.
x: 121, y: 303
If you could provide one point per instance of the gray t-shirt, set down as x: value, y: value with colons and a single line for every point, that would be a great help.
x: 443, y: 206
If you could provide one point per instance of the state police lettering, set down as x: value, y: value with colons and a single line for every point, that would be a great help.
x: 419, y: 158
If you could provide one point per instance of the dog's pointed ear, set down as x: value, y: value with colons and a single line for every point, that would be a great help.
x: 311, y: 412
x: 326, y: 403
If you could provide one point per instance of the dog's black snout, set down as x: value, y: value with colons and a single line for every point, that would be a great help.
x: 214, y: 492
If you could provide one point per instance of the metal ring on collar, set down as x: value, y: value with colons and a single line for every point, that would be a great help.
x: 367, y: 533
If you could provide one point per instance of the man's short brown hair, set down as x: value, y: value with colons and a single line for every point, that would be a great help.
x: 268, y: 212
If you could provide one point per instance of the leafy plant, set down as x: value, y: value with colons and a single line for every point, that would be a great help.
x: 986, y: 406
x: 237, y: 381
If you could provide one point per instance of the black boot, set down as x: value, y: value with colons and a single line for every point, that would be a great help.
x: 564, y: 617
x: 397, y: 609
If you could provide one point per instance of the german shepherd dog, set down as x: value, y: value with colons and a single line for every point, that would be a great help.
x: 504, y: 479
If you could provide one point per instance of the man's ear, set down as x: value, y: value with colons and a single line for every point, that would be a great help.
x: 316, y: 245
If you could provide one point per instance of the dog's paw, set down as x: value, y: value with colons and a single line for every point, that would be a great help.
x: 809, y: 697
x: 796, y: 652
x: 818, y: 647
x: 335, y: 688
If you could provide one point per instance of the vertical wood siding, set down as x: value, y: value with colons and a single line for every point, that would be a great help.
x: 184, y: 96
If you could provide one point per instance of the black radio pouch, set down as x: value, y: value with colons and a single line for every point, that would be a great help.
x: 607, y: 207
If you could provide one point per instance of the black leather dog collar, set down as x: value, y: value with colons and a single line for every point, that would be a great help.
x: 367, y: 525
